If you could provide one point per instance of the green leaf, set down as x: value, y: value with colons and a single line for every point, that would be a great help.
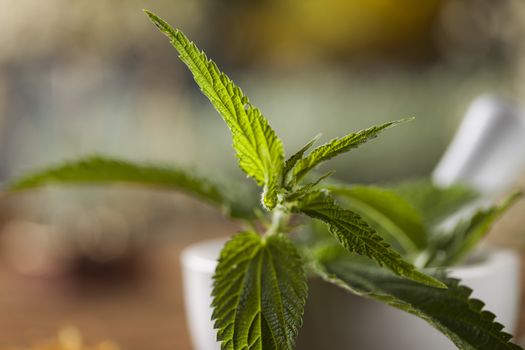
x: 357, y: 236
x: 451, y: 248
x: 259, y: 293
x: 104, y: 170
x: 259, y: 150
x: 452, y: 311
x: 338, y: 146
x: 388, y: 213
x: 290, y: 162
x: 435, y: 203
x: 306, y: 189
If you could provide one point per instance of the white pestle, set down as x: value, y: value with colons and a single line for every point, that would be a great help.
x: 487, y: 153
x: 488, y: 150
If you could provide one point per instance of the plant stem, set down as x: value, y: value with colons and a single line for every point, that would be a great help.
x: 280, y: 219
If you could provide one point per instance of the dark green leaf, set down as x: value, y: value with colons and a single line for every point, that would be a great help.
x: 435, y: 203
x: 290, y: 162
x: 451, y: 311
x: 104, y: 170
x: 259, y: 293
x: 388, y: 213
x: 452, y: 247
x: 308, y: 188
x: 357, y: 236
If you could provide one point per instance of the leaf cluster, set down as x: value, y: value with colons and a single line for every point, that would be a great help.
x: 429, y: 225
x: 452, y: 311
x: 259, y: 287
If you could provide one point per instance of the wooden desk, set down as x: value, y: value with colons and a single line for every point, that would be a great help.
x: 141, y: 313
x: 146, y: 313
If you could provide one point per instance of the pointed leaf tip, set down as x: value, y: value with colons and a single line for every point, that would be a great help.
x: 258, y: 148
x: 339, y: 146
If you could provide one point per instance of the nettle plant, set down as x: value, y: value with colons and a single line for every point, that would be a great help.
x: 365, y: 239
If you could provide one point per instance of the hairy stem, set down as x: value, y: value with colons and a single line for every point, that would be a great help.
x: 280, y: 219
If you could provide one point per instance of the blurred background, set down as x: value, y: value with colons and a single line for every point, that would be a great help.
x: 82, y: 77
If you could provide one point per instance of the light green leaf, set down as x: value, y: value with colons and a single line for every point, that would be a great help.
x: 388, y: 213
x: 258, y: 148
x: 451, y: 248
x: 357, y: 236
x: 104, y: 170
x: 452, y: 311
x: 259, y: 293
x: 338, y: 146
